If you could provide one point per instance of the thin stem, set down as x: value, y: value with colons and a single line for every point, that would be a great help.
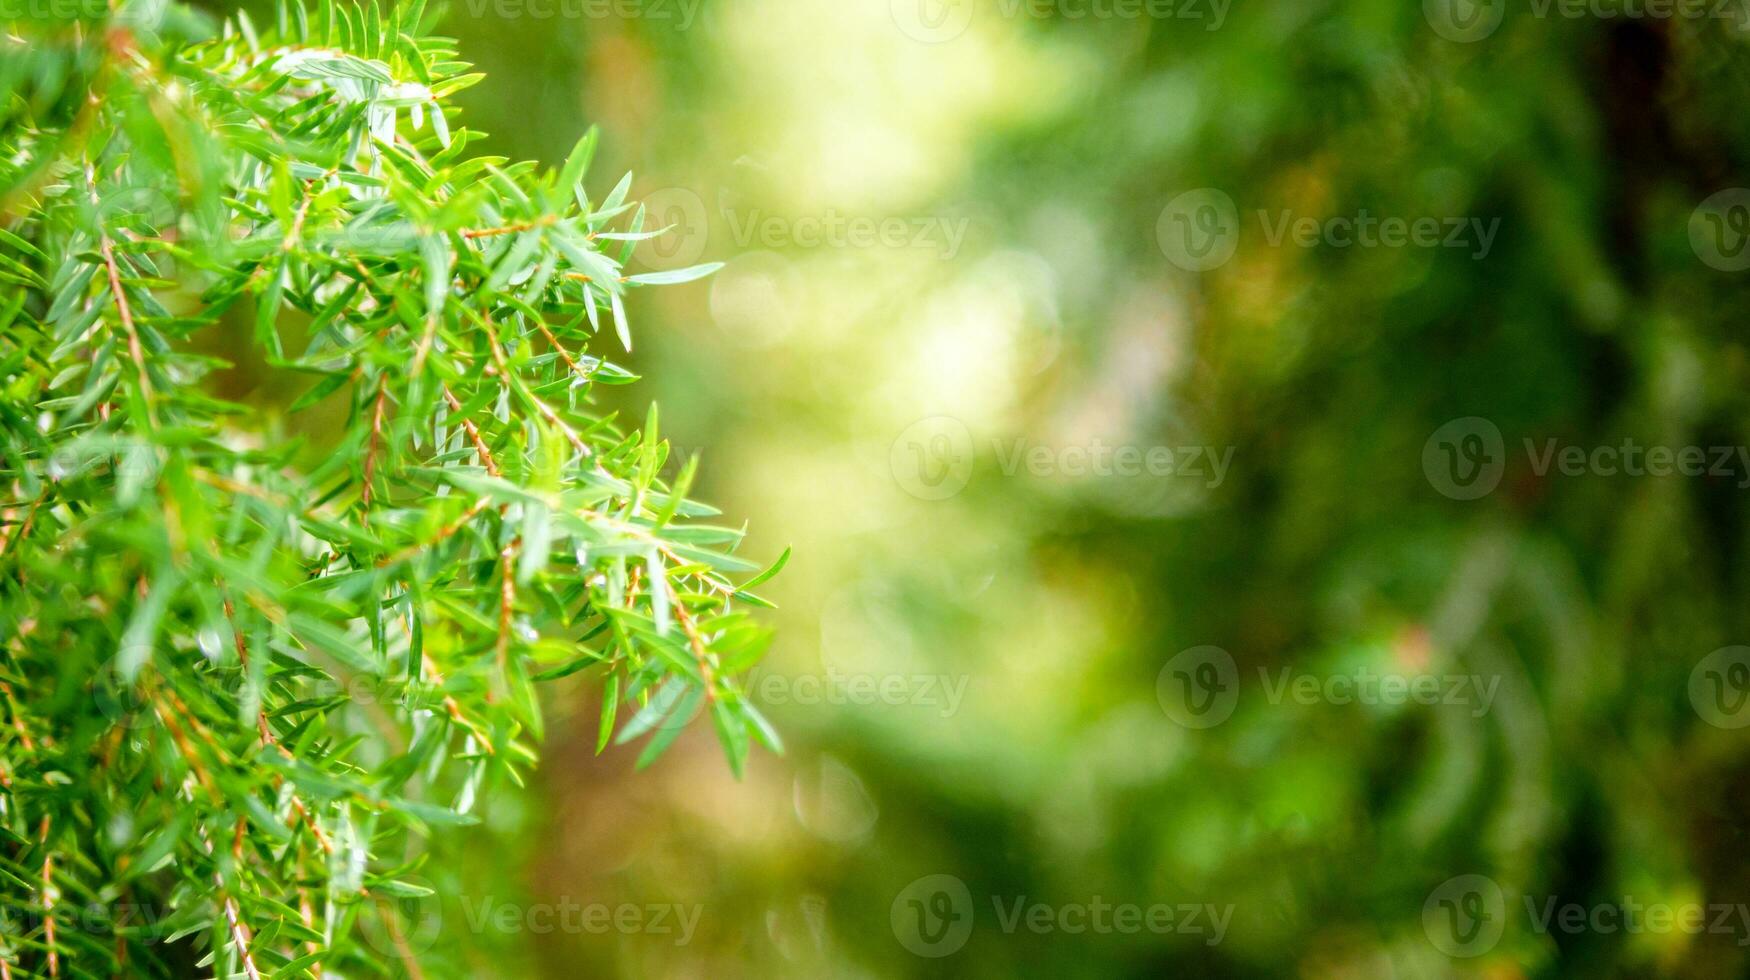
x: 136, y: 352
x: 376, y: 436
x: 541, y: 222
x: 49, y: 901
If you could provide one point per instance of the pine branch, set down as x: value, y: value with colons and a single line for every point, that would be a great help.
x: 223, y: 584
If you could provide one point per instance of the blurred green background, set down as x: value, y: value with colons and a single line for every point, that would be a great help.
x: 962, y: 270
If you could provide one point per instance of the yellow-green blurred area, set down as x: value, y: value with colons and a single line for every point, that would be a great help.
x: 1116, y: 556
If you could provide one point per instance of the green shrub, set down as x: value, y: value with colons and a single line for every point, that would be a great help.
x: 272, y: 610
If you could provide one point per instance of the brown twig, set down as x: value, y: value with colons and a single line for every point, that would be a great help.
x: 135, y: 350
x: 542, y: 222
x: 243, y: 657
x: 268, y: 739
x: 179, y: 739
x: 699, y: 652
x: 376, y: 435
x: 444, y: 533
x: 49, y: 901
x: 239, y: 934
x: 547, y: 412
x: 17, y: 719
x: 408, y: 960
x: 473, y: 434
x: 24, y: 528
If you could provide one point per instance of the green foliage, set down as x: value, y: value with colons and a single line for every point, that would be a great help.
x: 1593, y: 599
x: 255, y: 652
